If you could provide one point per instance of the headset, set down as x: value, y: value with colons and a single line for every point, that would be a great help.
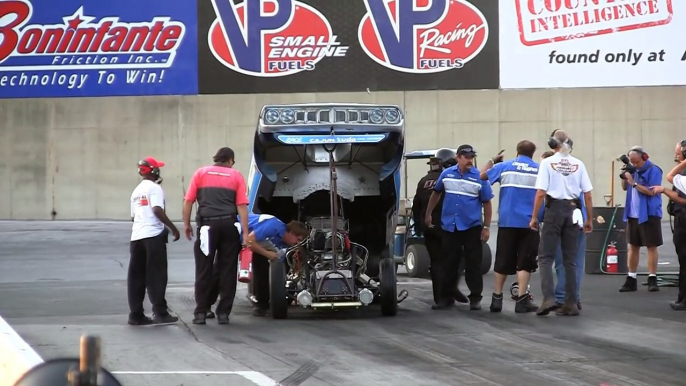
x: 640, y: 151
x: 145, y: 168
x: 683, y: 148
x: 554, y: 143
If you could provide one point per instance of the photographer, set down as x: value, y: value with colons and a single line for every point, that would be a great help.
x: 643, y: 214
x: 677, y: 208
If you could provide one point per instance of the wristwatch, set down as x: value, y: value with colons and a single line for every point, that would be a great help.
x: 486, y: 227
x: 635, y: 184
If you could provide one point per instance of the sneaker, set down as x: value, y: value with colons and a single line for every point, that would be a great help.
x: 164, y: 319
x: 443, y: 305
x: 569, y: 309
x: 525, y: 305
x: 630, y: 285
x: 200, y: 318
x: 144, y: 321
x: 258, y: 311
x: 209, y: 314
x: 652, y: 284
x: 678, y: 306
x: 497, y: 303
x: 223, y: 318
x: 545, y: 308
x: 460, y: 297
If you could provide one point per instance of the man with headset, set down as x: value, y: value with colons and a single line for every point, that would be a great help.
x: 643, y: 215
x: 561, y: 178
x: 677, y: 208
x: 443, y: 159
x: 148, y: 263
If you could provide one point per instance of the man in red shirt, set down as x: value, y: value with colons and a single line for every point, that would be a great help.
x: 221, y: 196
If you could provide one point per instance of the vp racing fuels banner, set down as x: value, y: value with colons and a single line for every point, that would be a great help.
x: 85, y: 48
x: 265, y: 46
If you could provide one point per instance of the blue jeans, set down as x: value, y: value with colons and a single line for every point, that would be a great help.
x: 560, y: 269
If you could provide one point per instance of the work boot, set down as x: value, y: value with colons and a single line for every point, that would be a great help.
x: 524, y: 304
x: 497, y: 303
x: 568, y: 309
x: 652, y: 284
x: 678, y: 305
x: 200, y: 318
x: 630, y: 285
x: 223, y: 318
x: 164, y: 319
x: 545, y: 307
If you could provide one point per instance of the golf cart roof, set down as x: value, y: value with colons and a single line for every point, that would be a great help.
x: 421, y: 154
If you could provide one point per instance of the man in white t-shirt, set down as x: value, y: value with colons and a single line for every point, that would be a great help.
x: 560, y: 180
x: 148, y: 264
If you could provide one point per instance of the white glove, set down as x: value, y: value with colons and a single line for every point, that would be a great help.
x: 578, y: 218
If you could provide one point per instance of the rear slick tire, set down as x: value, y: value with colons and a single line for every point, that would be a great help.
x: 388, y: 287
x: 278, y: 297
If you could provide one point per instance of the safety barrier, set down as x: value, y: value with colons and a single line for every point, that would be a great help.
x: 16, y: 356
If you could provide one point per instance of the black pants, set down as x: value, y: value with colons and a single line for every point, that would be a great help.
x: 147, y: 270
x: 456, y: 246
x: 224, y: 247
x: 260, y: 280
x: 559, y: 230
x: 433, y: 242
x: 680, y: 245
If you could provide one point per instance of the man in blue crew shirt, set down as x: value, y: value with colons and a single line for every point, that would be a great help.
x: 517, y: 244
x: 269, y: 239
x: 643, y: 215
x: 461, y: 220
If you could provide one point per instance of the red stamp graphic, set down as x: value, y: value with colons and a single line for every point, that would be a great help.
x: 548, y: 21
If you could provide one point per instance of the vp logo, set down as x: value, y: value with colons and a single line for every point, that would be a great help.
x: 245, y: 32
x: 398, y: 34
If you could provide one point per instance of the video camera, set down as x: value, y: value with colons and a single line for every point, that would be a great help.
x: 628, y: 167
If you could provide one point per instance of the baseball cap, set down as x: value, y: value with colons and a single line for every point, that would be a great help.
x: 466, y: 150
x: 153, y: 162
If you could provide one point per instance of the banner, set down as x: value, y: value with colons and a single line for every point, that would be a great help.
x: 86, y: 48
x: 265, y: 46
x: 592, y: 43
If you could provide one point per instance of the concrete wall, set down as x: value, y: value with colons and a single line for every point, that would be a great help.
x: 77, y: 157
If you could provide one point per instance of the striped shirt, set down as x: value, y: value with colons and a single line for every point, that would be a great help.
x: 517, y: 180
x: 463, y: 199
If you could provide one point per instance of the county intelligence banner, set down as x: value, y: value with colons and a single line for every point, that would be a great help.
x: 592, y: 43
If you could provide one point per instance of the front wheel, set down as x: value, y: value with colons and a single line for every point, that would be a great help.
x: 278, y: 297
x: 388, y: 287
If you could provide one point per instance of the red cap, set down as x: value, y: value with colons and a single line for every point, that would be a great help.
x: 153, y: 162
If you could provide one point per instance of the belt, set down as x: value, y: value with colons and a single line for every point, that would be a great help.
x: 575, y: 201
x: 215, y: 218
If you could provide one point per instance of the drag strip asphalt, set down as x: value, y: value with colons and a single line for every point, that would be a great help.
x: 59, y: 280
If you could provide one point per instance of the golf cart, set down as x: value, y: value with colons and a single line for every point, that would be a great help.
x: 409, y: 249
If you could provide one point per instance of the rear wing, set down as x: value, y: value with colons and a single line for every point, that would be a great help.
x: 349, y: 123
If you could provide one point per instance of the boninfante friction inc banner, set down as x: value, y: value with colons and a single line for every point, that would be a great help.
x: 86, y: 48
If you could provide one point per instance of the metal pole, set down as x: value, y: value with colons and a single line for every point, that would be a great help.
x: 90, y: 360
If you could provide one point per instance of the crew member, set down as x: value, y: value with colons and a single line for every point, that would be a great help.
x: 517, y: 244
x: 580, y: 253
x: 148, y: 248
x: 444, y: 158
x: 461, y: 220
x: 677, y: 208
x: 221, y: 195
x: 643, y: 215
x: 561, y: 177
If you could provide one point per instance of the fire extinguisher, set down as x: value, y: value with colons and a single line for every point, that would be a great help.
x: 611, y: 258
x: 245, y: 270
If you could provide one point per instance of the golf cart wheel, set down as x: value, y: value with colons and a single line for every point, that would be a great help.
x: 417, y: 261
x: 486, y: 259
x: 278, y: 298
x: 388, y: 287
